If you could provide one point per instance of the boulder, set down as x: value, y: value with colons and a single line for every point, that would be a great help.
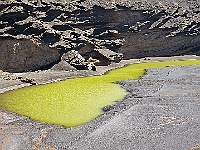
x: 25, y: 55
x: 103, y: 55
x: 63, y: 66
x: 108, y: 54
x: 75, y: 59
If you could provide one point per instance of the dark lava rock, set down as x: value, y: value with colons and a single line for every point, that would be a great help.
x: 134, y: 28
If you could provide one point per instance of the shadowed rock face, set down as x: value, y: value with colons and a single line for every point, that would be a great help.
x: 136, y: 29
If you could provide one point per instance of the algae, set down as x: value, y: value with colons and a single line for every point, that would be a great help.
x: 73, y: 102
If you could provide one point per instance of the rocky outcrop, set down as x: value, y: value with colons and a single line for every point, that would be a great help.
x: 107, y: 54
x: 134, y: 28
x: 74, y: 59
x: 63, y: 66
x: 103, y: 55
x: 25, y: 55
x: 156, y: 42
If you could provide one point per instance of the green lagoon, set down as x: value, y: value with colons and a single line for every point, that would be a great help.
x: 73, y: 102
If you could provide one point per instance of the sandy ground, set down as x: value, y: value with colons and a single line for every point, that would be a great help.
x: 161, y: 111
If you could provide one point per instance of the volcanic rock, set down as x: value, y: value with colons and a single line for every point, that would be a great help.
x: 134, y: 28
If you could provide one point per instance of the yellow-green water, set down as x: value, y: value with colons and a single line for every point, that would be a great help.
x: 73, y: 102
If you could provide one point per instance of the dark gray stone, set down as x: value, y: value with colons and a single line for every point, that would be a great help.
x: 63, y: 66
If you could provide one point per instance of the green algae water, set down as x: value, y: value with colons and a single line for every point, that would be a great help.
x: 73, y: 102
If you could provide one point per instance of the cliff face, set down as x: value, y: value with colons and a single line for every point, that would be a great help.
x: 134, y: 28
x: 25, y: 55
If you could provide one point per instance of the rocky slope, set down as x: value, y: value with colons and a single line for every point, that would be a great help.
x: 135, y: 28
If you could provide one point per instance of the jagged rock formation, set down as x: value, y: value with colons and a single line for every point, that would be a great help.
x: 75, y: 59
x: 135, y: 28
x: 104, y: 56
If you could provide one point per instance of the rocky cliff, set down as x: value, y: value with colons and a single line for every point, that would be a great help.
x: 135, y: 28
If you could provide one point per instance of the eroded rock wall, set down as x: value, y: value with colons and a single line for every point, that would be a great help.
x: 134, y: 28
x: 25, y: 55
x: 156, y: 43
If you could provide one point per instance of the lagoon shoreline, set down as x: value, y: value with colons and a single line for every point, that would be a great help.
x: 10, y: 81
